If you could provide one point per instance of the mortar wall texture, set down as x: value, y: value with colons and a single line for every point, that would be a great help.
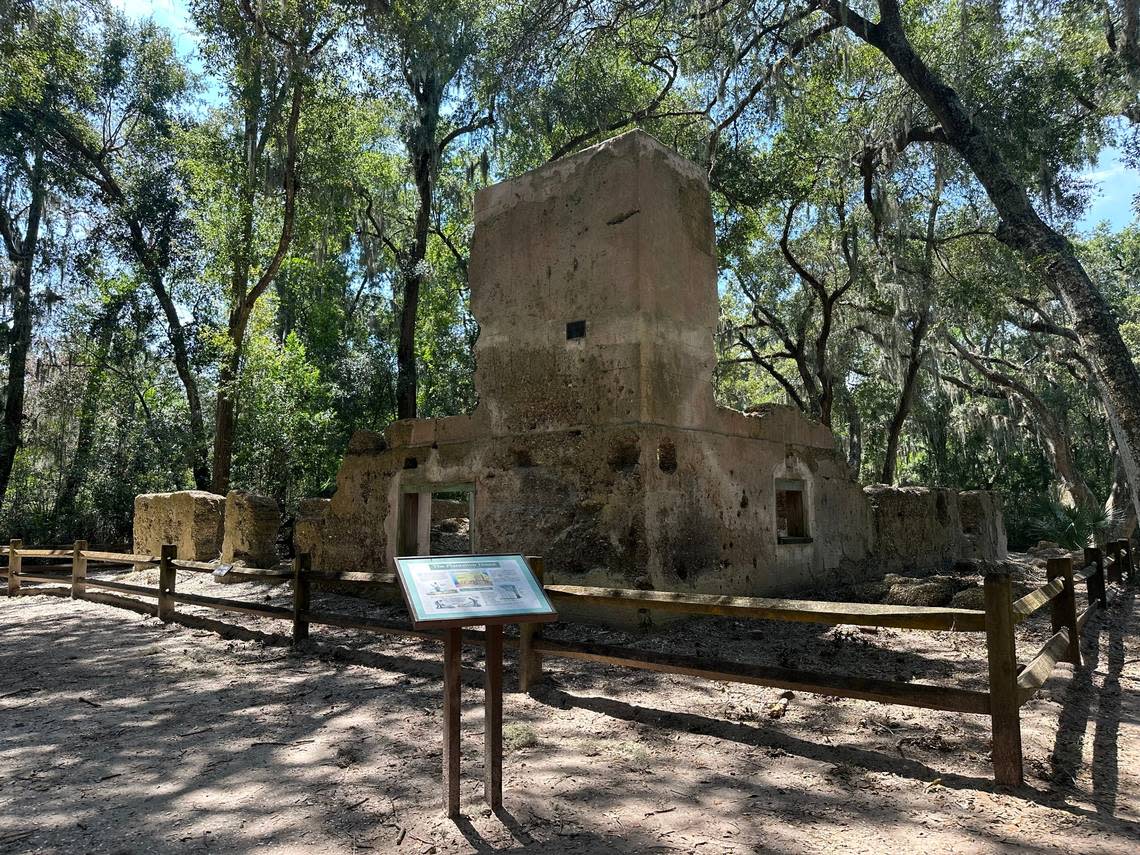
x: 605, y: 451
x: 307, y: 525
x: 192, y: 520
x: 250, y: 534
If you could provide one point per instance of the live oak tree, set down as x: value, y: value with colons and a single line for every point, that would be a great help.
x: 427, y: 52
x: 1021, y: 228
x: 36, y: 47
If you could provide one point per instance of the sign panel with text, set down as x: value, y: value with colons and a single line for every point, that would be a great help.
x: 471, y: 590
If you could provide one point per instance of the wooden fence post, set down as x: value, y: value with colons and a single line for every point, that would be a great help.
x: 493, y: 719
x: 14, y: 561
x: 1005, y: 705
x: 1102, y: 582
x: 1123, y: 560
x: 301, y: 591
x: 1092, y: 584
x: 1112, y: 574
x: 78, y: 570
x: 1064, y: 606
x: 530, y: 660
x: 166, y: 581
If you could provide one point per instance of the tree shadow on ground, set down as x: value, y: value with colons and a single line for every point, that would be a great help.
x: 298, y: 748
x: 1078, y: 699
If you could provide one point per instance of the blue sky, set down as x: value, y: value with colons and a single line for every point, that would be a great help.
x: 171, y: 14
x: 1114, y: 184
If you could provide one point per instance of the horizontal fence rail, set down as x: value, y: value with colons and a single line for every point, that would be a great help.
x: 803, y: 611
x: 862, y: 688
x: 1010, y: 685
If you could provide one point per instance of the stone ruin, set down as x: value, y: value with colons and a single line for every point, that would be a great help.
x: 251, y: 526
x: 596, y: 441
x: 240, y: 528
x: 190, y: 519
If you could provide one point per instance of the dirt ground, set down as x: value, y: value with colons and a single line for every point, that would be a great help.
x: 121, y: 735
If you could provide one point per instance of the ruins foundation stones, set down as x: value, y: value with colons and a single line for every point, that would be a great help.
x: 251, y: 526
x: 190, y: 519
x: 239, y: 528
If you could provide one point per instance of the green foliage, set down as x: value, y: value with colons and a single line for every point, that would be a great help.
x: 1069, y: 526
x: 286, y: 420
x: 820, y: 147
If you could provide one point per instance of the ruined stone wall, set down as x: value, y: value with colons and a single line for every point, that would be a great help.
x: 983, y: 526
x: 618, y: 238
x: 933, y: 527
x: 354, y: 535
x: 250, y: 533
x: 190, y: 519
x: 597, y: 442
x: 307, y: 525
x: 639, y: 506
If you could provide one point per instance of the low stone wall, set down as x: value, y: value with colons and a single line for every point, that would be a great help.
x: 251, y: 525
x: 919, y: 528
x: 307, y: 527
x: 190, y: 519
x: 983, y: 527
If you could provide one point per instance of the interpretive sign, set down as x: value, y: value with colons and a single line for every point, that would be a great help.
x: 472, y: 590
x: 453, y: 591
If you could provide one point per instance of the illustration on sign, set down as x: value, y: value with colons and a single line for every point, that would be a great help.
x: 471, y: 588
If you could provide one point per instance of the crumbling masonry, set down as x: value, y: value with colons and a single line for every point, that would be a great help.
x: 596, y: 441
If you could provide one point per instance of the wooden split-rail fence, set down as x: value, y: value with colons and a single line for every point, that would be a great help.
x: 1010, y: 685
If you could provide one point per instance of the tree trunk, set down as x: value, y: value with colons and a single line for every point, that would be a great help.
x: 198, y: 455
x: 424, y: 151
x: 906, y: 395
x: 902, y: 411
x: 244, y: 300
x: 1021, y: 227
x: 1119, y: 509
x: 104, y: 328
x: 22, y: 255
x: 225, y: 427
x: 225, y: 422
x: 854, y: 434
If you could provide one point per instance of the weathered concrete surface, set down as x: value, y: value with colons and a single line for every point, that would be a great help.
x: 933, y: 527
x: 606, y: 452
x: 190, y: 519
x: 983, y: 526
x: 597, y: 442
x: 307, y: 525
x: 250, y: 530
x: 914, y: 525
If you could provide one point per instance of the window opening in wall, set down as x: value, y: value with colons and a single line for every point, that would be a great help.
x: 575, y: 329
x: 791, y: 516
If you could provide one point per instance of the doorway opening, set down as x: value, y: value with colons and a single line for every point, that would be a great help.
x: 452, y: 522
x: 437, y: 520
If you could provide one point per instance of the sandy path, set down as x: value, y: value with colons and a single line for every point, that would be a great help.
x: 119, y: 734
